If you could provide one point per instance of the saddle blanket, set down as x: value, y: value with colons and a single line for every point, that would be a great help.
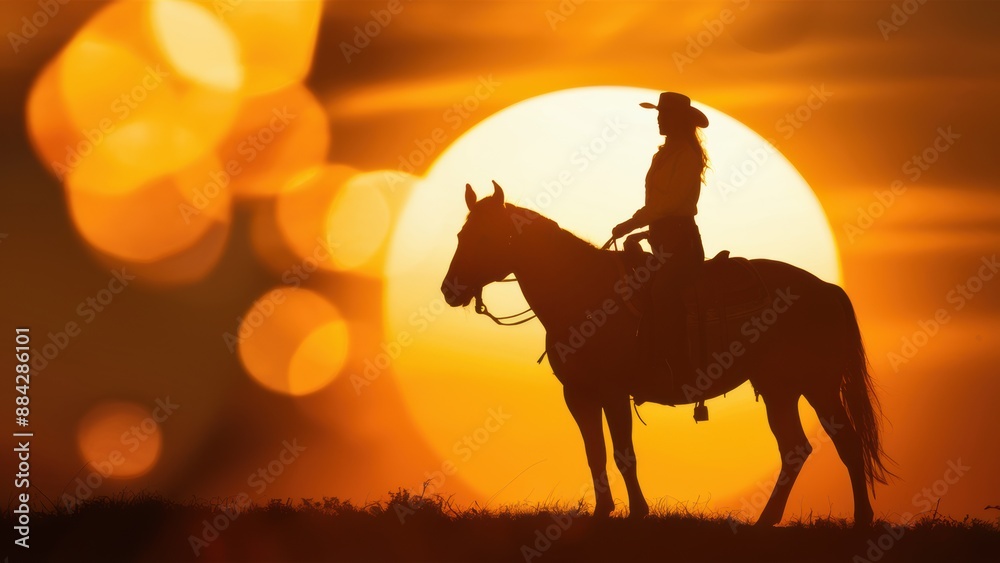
x: 723, y: 295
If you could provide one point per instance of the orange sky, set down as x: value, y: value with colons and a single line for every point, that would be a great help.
x: 888, y: 100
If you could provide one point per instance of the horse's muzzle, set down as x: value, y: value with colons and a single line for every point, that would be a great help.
x: 451, y: 297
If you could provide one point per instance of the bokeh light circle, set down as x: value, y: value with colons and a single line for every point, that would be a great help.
x: 52, y: 132
x: 274, y: 137
x: 302, y: 212
x: 161, y: 218
x: 293, y: 341
x: 196, y: 44
x: 276, y: 39
x: 357, y: 221
x: 338, y: 218
x: 120, y: 440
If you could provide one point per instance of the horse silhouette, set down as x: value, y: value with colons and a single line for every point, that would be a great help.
x: 814, y: 350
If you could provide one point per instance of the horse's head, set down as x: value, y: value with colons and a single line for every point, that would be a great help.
x: 483, y: 255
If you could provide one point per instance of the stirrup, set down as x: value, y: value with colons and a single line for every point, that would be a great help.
x: 700, y: 412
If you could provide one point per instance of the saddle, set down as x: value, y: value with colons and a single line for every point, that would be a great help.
x: 718, y: 298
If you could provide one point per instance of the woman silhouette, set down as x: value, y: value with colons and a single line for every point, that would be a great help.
x: 673, y: 185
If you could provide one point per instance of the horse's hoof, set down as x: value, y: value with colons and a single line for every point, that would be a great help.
x: 864, y: 520
x: 603, y: 512
x: 638, y: 512
x: 765, y: 522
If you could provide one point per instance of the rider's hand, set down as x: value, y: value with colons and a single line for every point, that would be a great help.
x: 622, y: 229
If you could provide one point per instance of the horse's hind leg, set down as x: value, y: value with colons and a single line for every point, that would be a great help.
x: 833, y: 417
x: 783, y: 418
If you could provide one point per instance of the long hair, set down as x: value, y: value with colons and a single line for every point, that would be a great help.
x: 692, y: 136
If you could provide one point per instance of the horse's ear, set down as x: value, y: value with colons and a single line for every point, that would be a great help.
x: 470, y: 196
x: 497, y: 193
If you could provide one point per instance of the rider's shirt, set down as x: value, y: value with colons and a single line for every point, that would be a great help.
x: 673, y: 184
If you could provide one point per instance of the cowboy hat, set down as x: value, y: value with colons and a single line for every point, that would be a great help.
x: 676, y: 105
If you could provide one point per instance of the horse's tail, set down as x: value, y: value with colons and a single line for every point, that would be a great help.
x: 857, y: 393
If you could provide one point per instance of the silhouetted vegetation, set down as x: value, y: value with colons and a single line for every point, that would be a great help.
x: 409, y: 527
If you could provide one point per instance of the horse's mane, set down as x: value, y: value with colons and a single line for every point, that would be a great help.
x: 527, y: 220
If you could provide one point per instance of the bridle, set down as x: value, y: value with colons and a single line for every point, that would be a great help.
x: 482, y: 310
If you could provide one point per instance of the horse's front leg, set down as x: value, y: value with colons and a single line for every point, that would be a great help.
x: 618, y: 411
x: 586, y: 410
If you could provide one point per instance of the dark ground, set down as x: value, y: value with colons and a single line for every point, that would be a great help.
x: 144, y: 528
